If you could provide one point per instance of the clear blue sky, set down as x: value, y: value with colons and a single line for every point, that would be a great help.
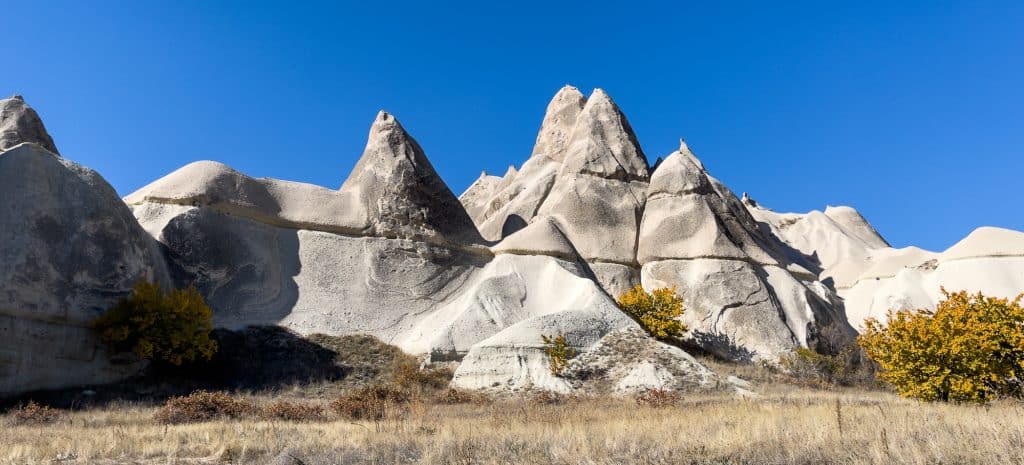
x: 912, y: 113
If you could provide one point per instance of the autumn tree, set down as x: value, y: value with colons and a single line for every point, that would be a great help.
x: 171, y: 327
x: 657, y: 312
x: 969, y: 349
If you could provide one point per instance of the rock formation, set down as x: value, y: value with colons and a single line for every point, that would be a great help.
x: 871, y: 277
x: 19, y: 123
x: 70, y: 248
x: 542, y: 250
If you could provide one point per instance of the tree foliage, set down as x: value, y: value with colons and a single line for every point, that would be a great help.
x: 558, y: 351
x: 170, y: 327
x: 969, y: 349
x: 657, y: 312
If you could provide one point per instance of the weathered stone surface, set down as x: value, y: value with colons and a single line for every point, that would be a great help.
x: 402, y: 195
x: 744, y: 300
x: 599, y: 193
x: 70, y: 248
x: 628, y: 361
x: 19, y: 123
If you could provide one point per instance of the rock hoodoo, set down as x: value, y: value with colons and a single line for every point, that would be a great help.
x: 542, y: 250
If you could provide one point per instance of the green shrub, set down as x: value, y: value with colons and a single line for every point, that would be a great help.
x: 173, y: 328
x: 657, y: 312
x: 558, y: 351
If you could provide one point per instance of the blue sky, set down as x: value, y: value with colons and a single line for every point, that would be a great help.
x: 912, y: 112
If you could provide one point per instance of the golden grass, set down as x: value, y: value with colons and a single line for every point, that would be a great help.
x: 794, y: 427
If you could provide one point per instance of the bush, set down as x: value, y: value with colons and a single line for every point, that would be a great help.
x: 657, y: 312
x: 452, y: 396
x: 847, y: 368
x: 173, y: 328
x: 35, y: 414
x: 969, y: 349
x: 203, y: 406
x: 292, y: 411
x: 407, y: 374
x: 371, y: 402
x: 658, y: 398
x: 558, y: 351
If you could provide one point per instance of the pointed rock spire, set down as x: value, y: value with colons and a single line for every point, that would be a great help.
x: 603, y: 143
x: 401, y: 193
x: 559, y: 119
x: 20, y: 123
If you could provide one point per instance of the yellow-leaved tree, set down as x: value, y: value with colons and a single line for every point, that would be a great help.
x: 657, y: 312
x: 969, y: 349
x: 170, y: 327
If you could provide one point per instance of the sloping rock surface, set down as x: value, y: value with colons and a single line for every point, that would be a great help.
x: 70, y: 248
x: 19, y: 123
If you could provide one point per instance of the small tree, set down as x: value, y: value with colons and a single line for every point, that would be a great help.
x: 657, y: 312
x: 173, y: 328
x: 969, y: 349
x: 558, y: 351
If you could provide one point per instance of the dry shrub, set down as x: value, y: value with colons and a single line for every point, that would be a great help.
x: 292, y: 411
x: 372, y: 402
x: 549, y: 398
x: 407, y: 374
x: 203, y: 406
x: 35, y: 414
x: 452, y: 396
x: 658, y: 398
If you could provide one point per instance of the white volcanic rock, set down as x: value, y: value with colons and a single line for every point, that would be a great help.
x: 218, y: 187
x: 559, y: 120
x: 402, y: 195
x: 686, y: 217
x: 542, y: 237
x: 475, y: 198
x: 508, y: 290
x: 516, y: 201
x: 989, y: 260
x: 514, y: 359
x: 70, y: 248
x: 827, y: 238
x: 628, y: 361
x: 19, y: 123
x: 368, y: 258
x: 744, y: 300
x: 598, y: 195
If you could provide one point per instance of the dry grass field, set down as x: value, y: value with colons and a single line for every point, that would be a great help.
x: 785, y: 426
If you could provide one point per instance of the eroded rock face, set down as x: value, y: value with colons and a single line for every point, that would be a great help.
x: 744, y: 300
x: 402, y: 195
x: 70, y: 248
x: 19, y: 123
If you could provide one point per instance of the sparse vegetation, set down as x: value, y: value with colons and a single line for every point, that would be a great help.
x: 372, y: 402
x: 36, y: 414
x: 558, y: 351
x: 204, y: 406
x: 658, y: 398
x: 969, y: 349
x: 168, y: 327
x: 292, y: 411
x: 787, y: 425
x: 657, y: 312
x: 809, y: 368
